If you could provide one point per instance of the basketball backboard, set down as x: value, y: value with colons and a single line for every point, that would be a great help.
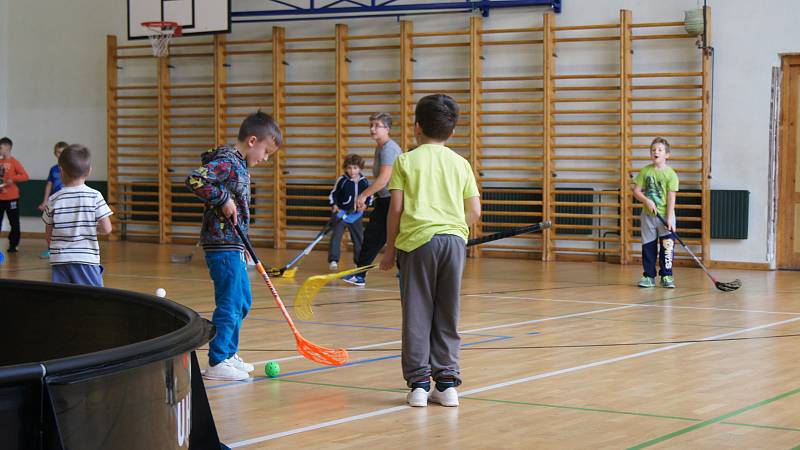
x: 194, y: 16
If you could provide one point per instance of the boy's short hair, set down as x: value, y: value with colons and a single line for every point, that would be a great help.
x: 353, y: 160
x: 661, y: 140
x: 261, y: 125
x: 383, y: 117
x: 437, y: 115
x: 75, y: 161
x: 60, y: 145
x: 6, y: 141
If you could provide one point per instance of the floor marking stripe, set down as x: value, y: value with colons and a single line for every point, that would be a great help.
x: 354, y: 363
x: 544, y: 405
x: 644, y: 305
x: 717, y: 419
x: 475, y: 330
x: 392, y: 410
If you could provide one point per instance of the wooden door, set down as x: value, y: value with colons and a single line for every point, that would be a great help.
x: 788, y: 239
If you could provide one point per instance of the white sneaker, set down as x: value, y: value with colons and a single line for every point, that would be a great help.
x: 226, y: 372
x: 239, y: 363
x: 333, y: 265
x: 417, y: 397
x: 448, y: 397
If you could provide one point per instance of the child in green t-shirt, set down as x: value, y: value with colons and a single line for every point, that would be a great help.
x: 655, y: 187
x: 434, y: 201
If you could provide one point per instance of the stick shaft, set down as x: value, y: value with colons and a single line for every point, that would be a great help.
x: 686, y: 247
x: 265, y: 276
x: 325, y: 230
x: 277, y: 297
x: 508, y: 233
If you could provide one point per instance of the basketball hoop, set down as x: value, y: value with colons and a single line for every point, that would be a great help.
x: 160, y: 34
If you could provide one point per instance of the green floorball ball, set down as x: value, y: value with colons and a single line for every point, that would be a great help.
x: 272, y: 369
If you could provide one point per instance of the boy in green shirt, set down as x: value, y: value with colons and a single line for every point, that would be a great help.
x: 655, y: 187
x: 434, y: 201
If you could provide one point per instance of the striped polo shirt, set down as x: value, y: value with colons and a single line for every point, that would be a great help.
x: 73, y: 212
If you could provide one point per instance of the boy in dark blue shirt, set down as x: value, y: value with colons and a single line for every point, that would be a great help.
x: 343, y: 198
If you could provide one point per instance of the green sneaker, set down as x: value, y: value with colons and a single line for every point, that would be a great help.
x: 647, y: 282
x: 668, y: 282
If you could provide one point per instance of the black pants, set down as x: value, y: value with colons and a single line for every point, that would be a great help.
x: 375, y: 234
x: 11, y: 209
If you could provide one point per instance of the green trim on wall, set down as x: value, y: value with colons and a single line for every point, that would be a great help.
x: 31, y: 192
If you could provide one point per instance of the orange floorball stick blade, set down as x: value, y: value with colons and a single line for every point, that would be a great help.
x: 321, y: 355
x: 306, y: 348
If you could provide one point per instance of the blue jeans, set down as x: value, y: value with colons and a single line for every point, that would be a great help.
x: 233, y: 299
x: 86, y: 274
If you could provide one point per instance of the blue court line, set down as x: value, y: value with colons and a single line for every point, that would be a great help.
x: 533, y: 332
x: 354, y: 363
x: 329, y: 324
x: 372, y: 327
x: 496, y: 338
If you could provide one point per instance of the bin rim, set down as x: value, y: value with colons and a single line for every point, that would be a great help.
x: 196, y: 332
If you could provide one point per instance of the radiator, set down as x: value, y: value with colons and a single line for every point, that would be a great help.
x: 562, y: 196
x: 729, y: 214
x: 528, y: 214
x: 295, y: 206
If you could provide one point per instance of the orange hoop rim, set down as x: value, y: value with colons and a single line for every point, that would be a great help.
x: 163, y: 26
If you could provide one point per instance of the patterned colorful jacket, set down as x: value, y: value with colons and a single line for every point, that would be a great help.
x: 223, y: 175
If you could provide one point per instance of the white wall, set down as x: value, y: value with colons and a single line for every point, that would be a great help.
x: 3, y: 63
x: 55, y: 64
x: 3, y: 73
x: 56, y: 79
x: 748, y: 37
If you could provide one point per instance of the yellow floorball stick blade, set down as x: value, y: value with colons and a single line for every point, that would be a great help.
x: 277, y: 272
x: 308, y: 291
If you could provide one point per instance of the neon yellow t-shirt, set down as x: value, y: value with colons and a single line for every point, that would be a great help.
x: 655, y: 184
x: 435, y: 182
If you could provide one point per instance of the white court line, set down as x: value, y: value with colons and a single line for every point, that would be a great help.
x: 288, y: 358
x: 362, y: 288
x: 493, y: 327
x: 385, y: 411
x: 591, y: 302
x: 318, y: 426
x: 566, y: 316
x: 643, y: 305
x: 155, y: 277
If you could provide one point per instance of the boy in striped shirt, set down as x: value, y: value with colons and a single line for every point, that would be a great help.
x: 74, y: 216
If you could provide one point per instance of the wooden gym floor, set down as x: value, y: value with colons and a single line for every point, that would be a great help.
x: 556, y: 355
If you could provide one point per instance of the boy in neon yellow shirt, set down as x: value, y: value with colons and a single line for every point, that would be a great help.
x: 434, y: 201
x: 656, y: 187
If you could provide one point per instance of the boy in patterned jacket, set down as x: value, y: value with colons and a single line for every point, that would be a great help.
x: 223, y: 183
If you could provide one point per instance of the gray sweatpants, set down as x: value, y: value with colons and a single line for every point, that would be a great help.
x: 430, y: 293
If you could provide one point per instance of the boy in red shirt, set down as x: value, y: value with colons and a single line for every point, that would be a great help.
x: 11, y: 173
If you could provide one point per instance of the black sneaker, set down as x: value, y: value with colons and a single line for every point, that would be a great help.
x: 12, y: 249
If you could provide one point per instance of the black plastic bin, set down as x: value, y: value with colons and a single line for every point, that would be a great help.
x: 95, y: 368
